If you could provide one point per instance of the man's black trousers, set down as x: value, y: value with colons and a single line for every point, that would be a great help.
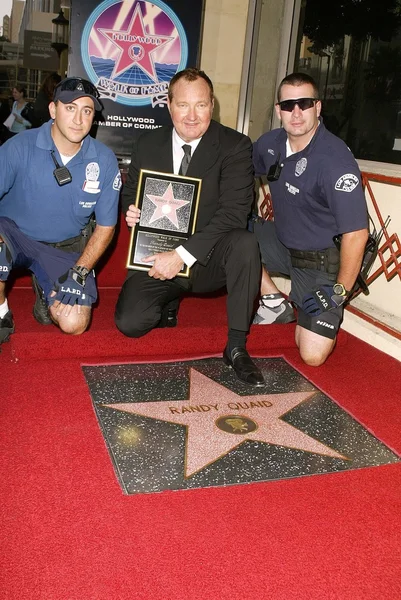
x: 234, y: 263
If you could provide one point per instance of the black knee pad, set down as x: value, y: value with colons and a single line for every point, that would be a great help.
x: 326, y: 324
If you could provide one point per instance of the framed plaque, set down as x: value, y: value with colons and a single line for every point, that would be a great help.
x: 169, y: 208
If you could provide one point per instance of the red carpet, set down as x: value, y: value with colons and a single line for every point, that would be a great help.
x: 69, y: 533
x: 202, y: 332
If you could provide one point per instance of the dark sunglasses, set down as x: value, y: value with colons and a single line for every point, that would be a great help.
x: 303, y: 103
x: 77, y: 83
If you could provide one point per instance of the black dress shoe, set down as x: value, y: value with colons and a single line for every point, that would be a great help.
x: 6, y: 327
x: 244, y: 367
x: 169, y: 315
x: 40, y: 309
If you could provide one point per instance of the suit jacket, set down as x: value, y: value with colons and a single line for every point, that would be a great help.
x: 223, y: 160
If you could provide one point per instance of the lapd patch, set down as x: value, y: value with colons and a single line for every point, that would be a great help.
x: 300, y: 166
x: 117, y: 182
x: 291, y: 188
x: 347, y: 183
x: 92, y: 172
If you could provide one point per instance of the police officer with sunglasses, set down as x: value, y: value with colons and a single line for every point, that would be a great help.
x: 317, y: 194
x: 57, y: 186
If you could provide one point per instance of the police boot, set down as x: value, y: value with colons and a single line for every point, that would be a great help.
x: 6, y: 327
x: 40, y: 309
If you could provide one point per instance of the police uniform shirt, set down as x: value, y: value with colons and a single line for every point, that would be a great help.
x: 319, y: 192
x: 31, y: 196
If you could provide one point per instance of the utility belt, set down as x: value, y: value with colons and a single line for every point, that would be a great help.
x: 77, y: 243
x: 327, y: 260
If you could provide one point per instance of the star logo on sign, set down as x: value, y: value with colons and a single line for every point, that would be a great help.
x: 218, y: 420
x: 166, y: 206
x: 136, y: 46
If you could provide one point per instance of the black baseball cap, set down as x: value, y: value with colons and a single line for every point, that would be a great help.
x: 71, y: 88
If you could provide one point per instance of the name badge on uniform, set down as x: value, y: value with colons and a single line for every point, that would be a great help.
x: 91, y: 187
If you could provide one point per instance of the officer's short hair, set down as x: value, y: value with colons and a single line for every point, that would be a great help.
x: 298, y: 79
x: 190, y: 74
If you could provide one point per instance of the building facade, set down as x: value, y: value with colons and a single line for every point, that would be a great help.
x: 353, y: 50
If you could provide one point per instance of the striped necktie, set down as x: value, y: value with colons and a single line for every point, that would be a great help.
x: 186, y: 159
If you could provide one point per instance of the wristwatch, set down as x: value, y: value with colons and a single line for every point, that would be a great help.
x: 82, y: 272
x: 339, y: 289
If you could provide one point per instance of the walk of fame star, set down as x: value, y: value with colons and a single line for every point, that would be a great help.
x: 136, y: 46
x: 218, y: 420
x: 166, y: 206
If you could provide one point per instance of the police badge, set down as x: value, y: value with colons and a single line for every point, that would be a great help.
x: 300, y: 167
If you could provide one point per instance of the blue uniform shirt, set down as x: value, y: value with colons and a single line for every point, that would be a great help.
x: 319, y: 192
x: 31, y: 196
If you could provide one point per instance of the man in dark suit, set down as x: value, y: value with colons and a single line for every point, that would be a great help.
x: 221, y: 252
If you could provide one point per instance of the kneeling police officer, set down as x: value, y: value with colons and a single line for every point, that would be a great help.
x: 317, y: 195
x: 52, y: 181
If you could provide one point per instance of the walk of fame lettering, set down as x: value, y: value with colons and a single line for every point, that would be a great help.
x: 208, y: 439
x: 249, y: 405
x: 230, y: 405
x: 192, y: 409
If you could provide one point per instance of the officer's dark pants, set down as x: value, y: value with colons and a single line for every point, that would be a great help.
x: 235, y: 263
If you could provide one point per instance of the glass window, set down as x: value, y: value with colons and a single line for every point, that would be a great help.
x: 353, y: 50
x: 27, y: 56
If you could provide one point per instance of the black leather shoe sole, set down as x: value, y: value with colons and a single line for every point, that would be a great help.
x: 40, y: 309
x: 244, y: 367
x: 168, y: 319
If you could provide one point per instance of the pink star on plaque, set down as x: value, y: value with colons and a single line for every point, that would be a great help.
x: 136, y: 46
x: 166, y: 206
x: 218, y: 420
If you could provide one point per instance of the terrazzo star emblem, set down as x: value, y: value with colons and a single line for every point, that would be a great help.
x: 136, y: 46
x: 218, y: 420
x: 166, y: 206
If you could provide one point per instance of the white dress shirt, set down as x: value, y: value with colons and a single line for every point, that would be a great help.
x: 178, y: 155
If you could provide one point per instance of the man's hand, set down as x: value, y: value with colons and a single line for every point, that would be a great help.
x: 166, y: 265
x: 321, y: 299
x: 68, y: 291
x: 132, y: 215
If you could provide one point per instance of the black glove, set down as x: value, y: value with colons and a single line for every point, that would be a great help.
x: 69, y: 289
x: 321, y: 299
